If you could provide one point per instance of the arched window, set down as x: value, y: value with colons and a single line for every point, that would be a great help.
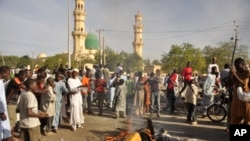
x: 81, y: 6
x: 78, y: 6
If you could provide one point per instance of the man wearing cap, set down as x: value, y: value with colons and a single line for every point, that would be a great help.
x: 76, y: 116
x: 213, y: 64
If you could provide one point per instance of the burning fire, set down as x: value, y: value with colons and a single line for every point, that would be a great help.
x: 119, y: 137
x: 149, y: 132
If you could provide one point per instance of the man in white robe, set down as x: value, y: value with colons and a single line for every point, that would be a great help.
x: 111, y: 89
x: 5, y: 130
x: 208, y: 90
x: 76, y: 115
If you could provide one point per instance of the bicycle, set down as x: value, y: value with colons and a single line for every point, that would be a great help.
x: 217, y: 112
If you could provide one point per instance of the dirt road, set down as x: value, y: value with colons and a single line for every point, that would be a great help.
x: 96, y: 128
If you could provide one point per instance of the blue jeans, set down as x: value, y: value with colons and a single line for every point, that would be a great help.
x: 155, y: 100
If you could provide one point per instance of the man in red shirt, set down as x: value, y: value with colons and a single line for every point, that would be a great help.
x: 100, y: 85
x: 187, y: 75
x: 170, y: 90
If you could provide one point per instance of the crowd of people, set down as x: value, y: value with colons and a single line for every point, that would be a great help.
x: 45, y: 99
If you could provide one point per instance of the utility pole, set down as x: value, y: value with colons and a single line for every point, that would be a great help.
x: 103, y: 48
x: 69, y: 56
x: 32, y: 59
x: 235, y: 38
x: 99, y: 31
x: 2, y: 58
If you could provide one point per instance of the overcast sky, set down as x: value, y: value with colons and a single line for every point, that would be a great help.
x: 29, y: 27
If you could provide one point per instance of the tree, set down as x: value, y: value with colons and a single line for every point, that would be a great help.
x: 24, y: 61
x: 10, y: 61
x: 112, y: 58
x: 147, y: 62
x: 177, y: 54
x: 85, y: 60
x: 131, y: 62
x: 135, y: 63
x: 223, y: 52
x: 55, y: 61
x: 156, y: 62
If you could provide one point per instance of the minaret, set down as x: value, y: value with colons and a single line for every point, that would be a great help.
x: 79, y: 33
x: 138, y: 27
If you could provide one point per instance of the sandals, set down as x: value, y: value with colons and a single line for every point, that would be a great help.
x: 79, y: 126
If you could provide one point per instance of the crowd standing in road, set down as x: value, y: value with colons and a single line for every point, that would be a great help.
x: 45, y: 99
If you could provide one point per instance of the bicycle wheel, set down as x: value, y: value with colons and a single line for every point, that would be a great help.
x: 216, y: 113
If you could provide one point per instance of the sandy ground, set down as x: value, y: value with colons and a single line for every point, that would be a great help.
x: 96, y: 128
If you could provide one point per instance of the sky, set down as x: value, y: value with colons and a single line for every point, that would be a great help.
x: 30, y: 27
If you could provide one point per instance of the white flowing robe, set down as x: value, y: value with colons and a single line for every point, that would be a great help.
x: 5, y: 130
x: 208, y: 91
x: 243, y: 96
x: 111, y: 90
x: 121, y: 92
x: 76, y: 115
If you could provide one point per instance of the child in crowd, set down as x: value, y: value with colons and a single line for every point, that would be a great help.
x: 120, y: 95
x: 191, y: 100
x: 29, y: 114
x: 48, y: 104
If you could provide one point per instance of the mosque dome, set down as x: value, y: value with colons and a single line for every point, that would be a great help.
x: 41, y: 56
x: 91, y: 42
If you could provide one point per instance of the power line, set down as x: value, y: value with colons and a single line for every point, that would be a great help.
x: 172, y: 31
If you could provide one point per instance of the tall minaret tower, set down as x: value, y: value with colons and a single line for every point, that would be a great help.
x: 138, y: 27
x: 79, y: 33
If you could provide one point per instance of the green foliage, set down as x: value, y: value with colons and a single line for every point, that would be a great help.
x: 10, y: 61
x: 24, y: 61
x: 86, y: 60
x: 55, y: 61
x: 223, y: 52
x: 147, y: 62
x: 157, y: 62
x: 178, y: 56
x: 111, y: 57
x: 135, y: 63
x: 131, y: 62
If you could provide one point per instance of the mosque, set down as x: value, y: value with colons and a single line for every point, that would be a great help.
x: 87, y: 44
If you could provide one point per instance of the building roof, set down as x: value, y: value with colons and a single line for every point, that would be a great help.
x: 91, y: 42
x: 41, y: 55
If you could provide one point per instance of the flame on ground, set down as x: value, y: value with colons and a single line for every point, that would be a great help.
x: 121, y: 136
x: 124, y: 133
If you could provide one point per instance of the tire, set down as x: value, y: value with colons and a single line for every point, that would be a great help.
x: 216, y: 113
